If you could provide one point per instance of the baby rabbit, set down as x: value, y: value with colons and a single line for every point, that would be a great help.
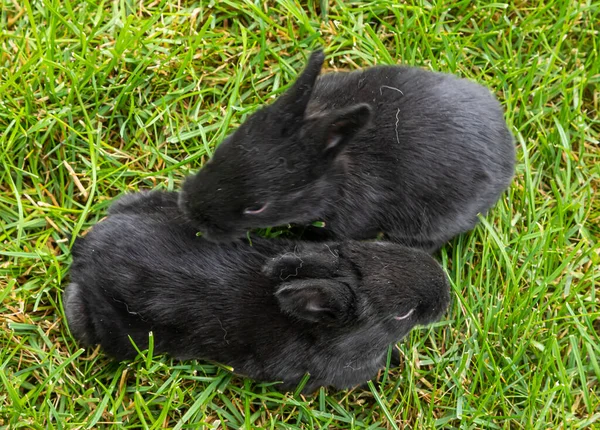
x: 400, y: 150
x: 273, y: 310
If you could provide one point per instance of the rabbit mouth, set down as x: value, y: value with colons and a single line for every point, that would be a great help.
x: 208, y: 229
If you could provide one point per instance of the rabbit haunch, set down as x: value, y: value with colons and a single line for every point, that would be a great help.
x: 274, y: 311
x: 394, y: 149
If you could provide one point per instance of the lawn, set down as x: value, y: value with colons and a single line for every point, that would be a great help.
x: 98, y: 98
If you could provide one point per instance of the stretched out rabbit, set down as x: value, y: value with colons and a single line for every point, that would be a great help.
x: 274, y: 310
x: 394, y: 149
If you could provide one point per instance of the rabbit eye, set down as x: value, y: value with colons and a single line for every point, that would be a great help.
x: 255, y: 210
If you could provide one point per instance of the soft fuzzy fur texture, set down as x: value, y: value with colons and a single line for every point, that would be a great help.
x: 400, y: 150
x: 273, y: 310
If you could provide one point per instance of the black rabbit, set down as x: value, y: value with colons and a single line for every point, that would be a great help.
x: 400, y: 150
x: 274, y: 310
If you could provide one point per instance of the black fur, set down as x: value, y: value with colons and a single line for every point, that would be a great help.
x: 393, y: 149
x: 273, y: 311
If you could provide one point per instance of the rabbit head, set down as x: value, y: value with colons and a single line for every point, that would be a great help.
x: 281, y: 166
x: 378, y: 288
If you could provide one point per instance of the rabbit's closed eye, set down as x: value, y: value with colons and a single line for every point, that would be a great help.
x: 256, y: 209
x: 406, y: 315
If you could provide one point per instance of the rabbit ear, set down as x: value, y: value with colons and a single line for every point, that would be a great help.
x: 315, y: 300
x: 340, y: 126
x: 293, y: 103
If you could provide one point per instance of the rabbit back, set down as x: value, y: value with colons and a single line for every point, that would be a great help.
x: 436, y: 154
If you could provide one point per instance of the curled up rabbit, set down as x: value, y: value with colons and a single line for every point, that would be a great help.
x: 273, y: 310
x: 411, y: 153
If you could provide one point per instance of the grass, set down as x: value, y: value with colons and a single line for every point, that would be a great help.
x: 102, y: 97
